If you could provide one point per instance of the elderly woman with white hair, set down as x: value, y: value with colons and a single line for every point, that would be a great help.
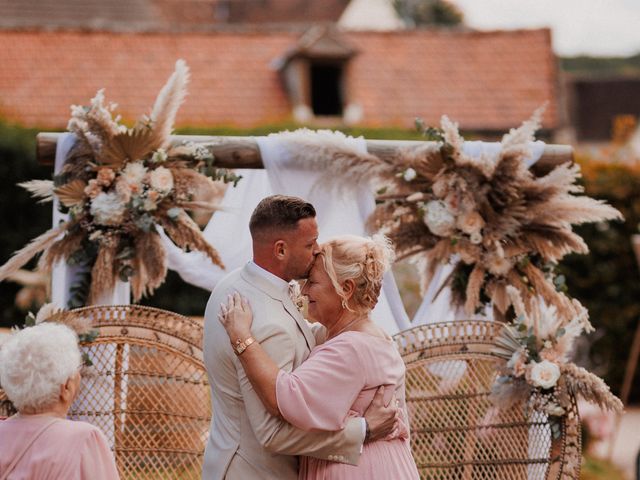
x: 40, y: 373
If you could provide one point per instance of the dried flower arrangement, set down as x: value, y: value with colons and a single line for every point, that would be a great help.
x: 538, y: 373
x: 501, y: 224
x: 537, y: 346
x: 117, y: 185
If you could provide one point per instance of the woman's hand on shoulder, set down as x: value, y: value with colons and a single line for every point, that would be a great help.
x: 236, y: 317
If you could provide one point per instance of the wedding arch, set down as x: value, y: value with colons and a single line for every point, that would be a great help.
x: 486, y: 222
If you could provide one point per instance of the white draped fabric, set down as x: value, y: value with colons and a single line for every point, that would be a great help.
x: 287, y: 173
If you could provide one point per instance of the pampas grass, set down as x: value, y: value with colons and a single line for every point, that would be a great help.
x: 590, y: 387
x: 151, y: 258
x: 37, y: 245
x: 40, y: 189
x: 103, y: 275
x: 63, y: 248
x: 186, y: 234
x: 336, y: 155
x: 166, y: 106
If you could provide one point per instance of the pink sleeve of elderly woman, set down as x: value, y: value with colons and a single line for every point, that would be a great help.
x: 318, y: 395
x: 97, y: 461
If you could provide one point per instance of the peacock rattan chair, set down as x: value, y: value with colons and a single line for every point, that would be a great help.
x: 456, y: 432
x: 147, y: 389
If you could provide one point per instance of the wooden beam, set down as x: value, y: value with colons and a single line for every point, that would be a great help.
x: 243, y: 152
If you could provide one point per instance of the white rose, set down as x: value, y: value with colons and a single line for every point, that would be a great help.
x: 134, y: 173
x: 438, y: 218
x: 107, y: 209
x: 409, y: 174
x: 161, y: 180
x: 545, y: 374
x: 475, y: 238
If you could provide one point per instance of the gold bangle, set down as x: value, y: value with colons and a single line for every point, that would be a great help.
x: 240, y: 346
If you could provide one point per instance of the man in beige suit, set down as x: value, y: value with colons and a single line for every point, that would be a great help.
x: 245, y: 441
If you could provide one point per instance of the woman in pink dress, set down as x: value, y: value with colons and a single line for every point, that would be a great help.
x: 40, y: 373
x: 341, y: 376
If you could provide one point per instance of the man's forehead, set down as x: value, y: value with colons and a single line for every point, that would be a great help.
x: 308, y: 226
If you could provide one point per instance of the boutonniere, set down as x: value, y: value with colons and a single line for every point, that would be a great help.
x: 295, y: 293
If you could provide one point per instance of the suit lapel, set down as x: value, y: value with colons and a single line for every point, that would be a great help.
x: 274, y: 292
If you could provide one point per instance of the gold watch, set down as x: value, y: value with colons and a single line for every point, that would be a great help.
x: 240, y: 345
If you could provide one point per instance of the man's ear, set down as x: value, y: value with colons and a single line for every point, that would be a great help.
x: 280, y: 249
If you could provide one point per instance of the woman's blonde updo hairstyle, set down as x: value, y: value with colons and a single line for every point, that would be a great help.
x: 363, y: 260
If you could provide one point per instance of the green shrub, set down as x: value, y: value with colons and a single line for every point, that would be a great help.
x: 22, y: 218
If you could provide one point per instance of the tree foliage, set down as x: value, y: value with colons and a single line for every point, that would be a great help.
x: 22, y: 217
x: 607, y: 281
x: 416, y: 13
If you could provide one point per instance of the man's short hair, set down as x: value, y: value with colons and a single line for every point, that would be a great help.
x: 278, y: 213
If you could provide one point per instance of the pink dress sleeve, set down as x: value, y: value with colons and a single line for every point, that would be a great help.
x: 318, y: 395
x: 97, y: 461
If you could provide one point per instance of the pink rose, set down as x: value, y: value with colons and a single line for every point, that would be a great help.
x: 93, y: 189
x: 105, y: 176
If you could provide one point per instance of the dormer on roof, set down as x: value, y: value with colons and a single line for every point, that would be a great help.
x: 315, y: 78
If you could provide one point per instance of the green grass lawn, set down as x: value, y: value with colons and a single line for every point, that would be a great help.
x: 597, y: 469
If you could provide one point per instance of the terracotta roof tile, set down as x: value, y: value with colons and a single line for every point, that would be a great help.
x: 486, y: 81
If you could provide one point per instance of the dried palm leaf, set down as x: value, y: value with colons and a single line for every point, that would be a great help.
x: 37, y: 245
x: 41, y: 189
x: 506, y: 343
x: 71, y: 193
x: 128, y: 146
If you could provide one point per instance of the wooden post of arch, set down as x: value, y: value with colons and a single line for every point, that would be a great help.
x: 243, y: 152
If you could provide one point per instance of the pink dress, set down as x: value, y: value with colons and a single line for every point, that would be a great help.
x: 67, y: 450
x: 336, y: 382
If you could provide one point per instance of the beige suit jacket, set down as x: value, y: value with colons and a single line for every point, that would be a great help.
x: 245, y: 441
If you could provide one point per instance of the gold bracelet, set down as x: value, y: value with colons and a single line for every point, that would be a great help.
x: 240, y: 346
